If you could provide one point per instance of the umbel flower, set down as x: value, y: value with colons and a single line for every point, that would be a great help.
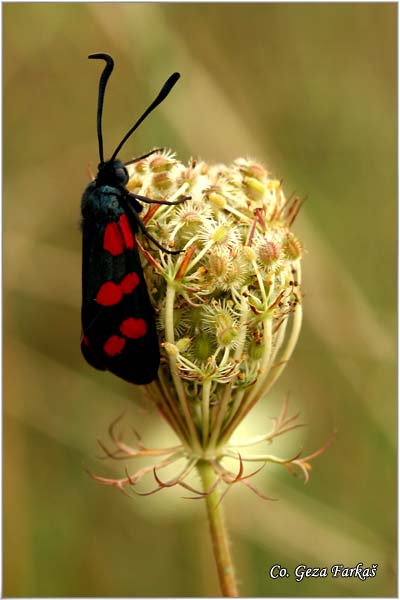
x: 229, y: 309
x: 229, y: 312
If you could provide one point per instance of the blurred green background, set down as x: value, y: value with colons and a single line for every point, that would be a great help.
x: 308, y: 89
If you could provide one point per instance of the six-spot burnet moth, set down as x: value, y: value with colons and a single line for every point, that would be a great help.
x: 118, y: 326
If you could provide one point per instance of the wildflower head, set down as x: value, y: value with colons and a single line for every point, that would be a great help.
x: 228, y: 306
x: 231, y: 288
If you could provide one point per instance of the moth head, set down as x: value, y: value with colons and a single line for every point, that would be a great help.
x: 112, y: 172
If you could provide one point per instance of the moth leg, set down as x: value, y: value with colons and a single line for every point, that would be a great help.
x: 149, y: 201
x: 142, y: 227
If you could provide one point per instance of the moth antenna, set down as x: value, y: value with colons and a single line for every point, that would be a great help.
x: 102, y: 88
x: 165, y: 90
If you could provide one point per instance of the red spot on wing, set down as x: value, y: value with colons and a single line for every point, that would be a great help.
x: 84, y: 340
x: 114, y: 345
x: 112, y: 241
x: 109, y: 294
x: 129, y: 283
x: 126, y: 232
x: 133, y: 328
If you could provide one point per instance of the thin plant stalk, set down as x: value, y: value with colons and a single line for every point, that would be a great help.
x: 218, y: 531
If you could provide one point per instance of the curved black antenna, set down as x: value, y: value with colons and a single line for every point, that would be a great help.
x: 165, y: 90
x: 102, y: 88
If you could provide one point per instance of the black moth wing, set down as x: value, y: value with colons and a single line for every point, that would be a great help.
x: 119, y: 332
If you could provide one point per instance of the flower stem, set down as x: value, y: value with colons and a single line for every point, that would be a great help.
x: 218, y: 532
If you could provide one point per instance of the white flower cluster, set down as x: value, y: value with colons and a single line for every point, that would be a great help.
x: 229, y: 305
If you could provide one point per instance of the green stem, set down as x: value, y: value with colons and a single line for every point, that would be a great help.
x: 218, y: 532
x: 206, y: 410
x: 169, y: 334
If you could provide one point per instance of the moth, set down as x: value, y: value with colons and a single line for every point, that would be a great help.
x: 118, y: 322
